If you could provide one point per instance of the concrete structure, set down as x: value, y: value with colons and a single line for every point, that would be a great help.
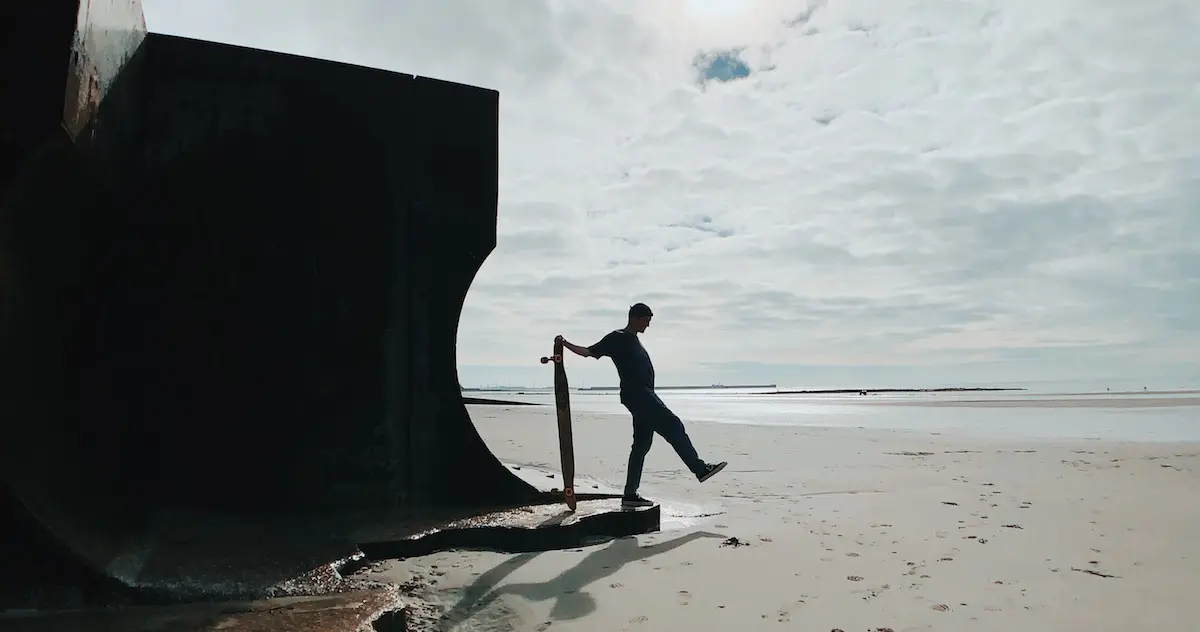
x: 230, y: 283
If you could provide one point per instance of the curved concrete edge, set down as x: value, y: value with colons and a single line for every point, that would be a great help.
x: 61, y: 513
x: 521, y: 531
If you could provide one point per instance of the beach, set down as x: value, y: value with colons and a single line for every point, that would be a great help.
x: 842, y: 529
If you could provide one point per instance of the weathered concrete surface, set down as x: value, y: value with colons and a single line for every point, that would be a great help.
x: 107, y: 34
x: 345, y: 612
x: 230, y: 284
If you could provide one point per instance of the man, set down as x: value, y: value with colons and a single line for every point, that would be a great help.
x: 650, y: 414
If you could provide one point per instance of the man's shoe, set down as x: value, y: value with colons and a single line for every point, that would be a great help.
x: 711, y: 470
x: 635, y: 501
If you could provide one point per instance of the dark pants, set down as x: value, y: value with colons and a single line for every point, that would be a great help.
x: 651, y: 415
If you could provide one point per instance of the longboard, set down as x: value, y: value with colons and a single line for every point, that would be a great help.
x: 562, y: 405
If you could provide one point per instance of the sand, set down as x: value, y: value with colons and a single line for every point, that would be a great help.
x: 848, y: 530
x: 1074, y: 402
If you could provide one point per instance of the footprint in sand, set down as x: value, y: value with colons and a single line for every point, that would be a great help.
x: 875, y: 592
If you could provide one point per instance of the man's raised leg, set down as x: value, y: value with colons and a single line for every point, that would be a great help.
x: 671, y: 428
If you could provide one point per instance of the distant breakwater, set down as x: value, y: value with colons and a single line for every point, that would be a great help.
x: 712, y: 387
x: 866, y: 391
x: 481, y: 401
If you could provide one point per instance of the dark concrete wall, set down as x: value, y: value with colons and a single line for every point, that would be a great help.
x: 35, y: 51
x: 237, y: 288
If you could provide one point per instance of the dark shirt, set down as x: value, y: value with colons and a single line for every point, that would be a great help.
x: 632, y: 362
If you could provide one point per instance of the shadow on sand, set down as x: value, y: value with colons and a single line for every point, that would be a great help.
x: 567, y: 589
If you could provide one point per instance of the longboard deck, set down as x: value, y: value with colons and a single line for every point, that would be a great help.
x: 562, y: 405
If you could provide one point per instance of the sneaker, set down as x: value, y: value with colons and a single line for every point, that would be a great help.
x: 711, y: 470
x: 635, y: 501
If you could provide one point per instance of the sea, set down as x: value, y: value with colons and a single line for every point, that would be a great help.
x: 1117, y: 412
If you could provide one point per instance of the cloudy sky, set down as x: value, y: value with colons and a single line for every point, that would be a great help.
x: 808, y: 192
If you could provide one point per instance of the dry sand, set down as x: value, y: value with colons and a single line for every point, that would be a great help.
x: 847, y: 530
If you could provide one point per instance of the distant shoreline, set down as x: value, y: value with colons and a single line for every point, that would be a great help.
x: 866, y: 391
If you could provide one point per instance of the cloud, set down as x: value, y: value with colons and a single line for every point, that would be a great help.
x: 1012, y: 185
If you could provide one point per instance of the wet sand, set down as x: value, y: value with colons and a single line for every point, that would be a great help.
x: 845, y: 529
x: 1074, y: 402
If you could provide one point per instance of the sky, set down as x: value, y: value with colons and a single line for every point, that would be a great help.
x: 812, y: 192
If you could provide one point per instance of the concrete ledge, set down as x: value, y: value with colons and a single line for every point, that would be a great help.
x: 522, y: 530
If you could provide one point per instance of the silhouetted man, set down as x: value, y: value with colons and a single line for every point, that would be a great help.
x: 650, y: 414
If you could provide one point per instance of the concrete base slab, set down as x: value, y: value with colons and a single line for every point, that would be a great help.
x: 206, y: 557
x: 345, y: 612
x: 216, y: 560
x: 519, y: 530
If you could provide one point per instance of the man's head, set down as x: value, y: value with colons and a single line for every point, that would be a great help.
x: 639, y: 317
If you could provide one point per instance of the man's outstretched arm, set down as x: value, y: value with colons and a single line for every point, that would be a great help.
x: 576, y: 349
x: 597, y: 350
